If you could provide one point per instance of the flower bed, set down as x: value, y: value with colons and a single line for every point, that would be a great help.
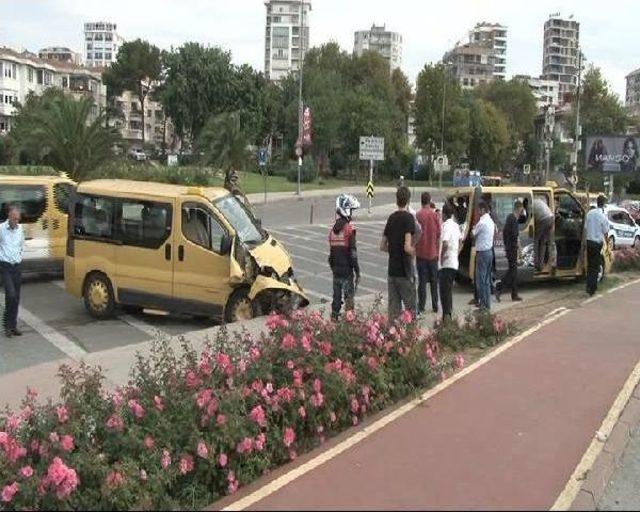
x: 626, y: 259
x: 190, y: 428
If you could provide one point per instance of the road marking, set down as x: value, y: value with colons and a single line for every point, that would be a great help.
x: 574, y: 484
x: 321, y: 275
x: 56, y: 338
x: 367, y: 431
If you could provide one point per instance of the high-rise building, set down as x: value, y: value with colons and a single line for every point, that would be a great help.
x: 471, y: 64
x: 378, y: 39
x: 286, y: 36
x: 546, y: 92
x: 101, y: 43
x: 560, y: 52
x: 633, y: 92
x: 495, y: 36
x: 60, y: 54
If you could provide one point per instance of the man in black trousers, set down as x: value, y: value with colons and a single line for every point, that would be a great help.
x: 510, y: 236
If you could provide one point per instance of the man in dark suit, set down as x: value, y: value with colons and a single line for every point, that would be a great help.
x: 510, y: 237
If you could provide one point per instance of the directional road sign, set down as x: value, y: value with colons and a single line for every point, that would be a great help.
x: 372, y: 148
x: 370, y: 190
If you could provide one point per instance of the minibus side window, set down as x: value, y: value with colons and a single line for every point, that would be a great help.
x: 201, y: 228
x: 62, y: 196
x: 143, y: 223
x: 30, y: 199
x: 94, y: 217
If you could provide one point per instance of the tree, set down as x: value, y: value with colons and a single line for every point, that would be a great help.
x: 57, y: 130
x: 198, y: 82
x: 137, y: 68
x: 224, y: 142
x: 489, y: 136
x: 430, y: 92
x: 600, y: 109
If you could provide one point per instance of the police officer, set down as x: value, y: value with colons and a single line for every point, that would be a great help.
x: 343, y: 255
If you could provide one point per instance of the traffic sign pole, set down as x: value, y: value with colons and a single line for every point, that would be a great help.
x: 369, y: 184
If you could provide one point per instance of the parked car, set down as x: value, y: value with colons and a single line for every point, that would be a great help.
x: 137, y: 154
x: 623, y: 232
x: 633, y: 207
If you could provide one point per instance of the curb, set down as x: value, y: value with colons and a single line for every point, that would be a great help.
x: 597, y: 478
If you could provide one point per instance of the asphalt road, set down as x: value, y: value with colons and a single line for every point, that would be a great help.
x: 56, y: 325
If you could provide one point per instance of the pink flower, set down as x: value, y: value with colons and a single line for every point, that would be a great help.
x: 254, y: 353
x: 205, y: 365
x: 204, y: 397
x: 63, y: 479
x: 192, y: 380
x: 297, y: 378
x: 117, y: 399
x: 232, y: 487
x: 306, y: 342
x: 317, y: 385
x: 186, y: 464
x: 166, y: 459
x: 149, y: 443
x: 4, y: 437
x: 14, y: 450
x: 317, y: 400
x: 459, y: 361
x: 269, y: 387
x: 114, y: 479
x: 350, y: 316
x: 258, y: 416
x: 203, y: 451
x: 289, y: 437
x: 290, y: 364
x: 245, y: 446
x: 355, y: 405
x: 221, y: 420
x: 222, y: 460
x: 260, y: 441
x: 67, y: 443
x: 224, y: 363
x: 326, y: 348
x: 406, y: 317
x: 13, y: 422
x: 54, y: 437
x: 289, y: 342
x: 62, y: 413
x: 137, y: 409
x: 9, y: 492
x: 242, y: 366
x: 302, y: 412
x: 332, y: 417
x: 158, y: 403
x: 372, y: 361
x: 27, y: 471
x: 285, y: 394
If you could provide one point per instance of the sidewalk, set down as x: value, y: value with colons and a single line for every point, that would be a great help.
x: 507, y: 435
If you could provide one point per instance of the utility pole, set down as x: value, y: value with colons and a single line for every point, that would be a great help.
x: 444, y: 99
x: 300, y: 102
x: 577, y: 142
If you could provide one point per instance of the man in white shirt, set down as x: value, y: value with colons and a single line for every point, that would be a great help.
x: 449, y: 245
x: 596, y: 227
x: 544, y: 221
x: 483, y: 233
x: 11, y: 251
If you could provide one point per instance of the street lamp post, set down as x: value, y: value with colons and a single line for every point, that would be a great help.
x: 300, y: 102
x: 577, y: 142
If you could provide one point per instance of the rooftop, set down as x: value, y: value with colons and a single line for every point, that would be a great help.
x: 134, y: 188
x: 27, y: 57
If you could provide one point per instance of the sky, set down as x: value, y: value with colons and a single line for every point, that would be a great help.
x: 609, y: 30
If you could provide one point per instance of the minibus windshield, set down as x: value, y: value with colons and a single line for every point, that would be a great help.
x: 240, y: 219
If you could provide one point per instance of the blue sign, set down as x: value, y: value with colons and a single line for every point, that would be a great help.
x: 263, y: 156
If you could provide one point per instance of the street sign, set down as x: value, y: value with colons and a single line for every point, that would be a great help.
x: 372, y: 148
x: 298, y: 150
x: 263, y: 156
x: 526, y: 169
x: 370, y: 190
x: 441, y: 164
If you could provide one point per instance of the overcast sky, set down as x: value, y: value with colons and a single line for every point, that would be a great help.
x: 609, y: 30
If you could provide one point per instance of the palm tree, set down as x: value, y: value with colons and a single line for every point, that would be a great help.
x: 68, y: 134
x: 224, y: 143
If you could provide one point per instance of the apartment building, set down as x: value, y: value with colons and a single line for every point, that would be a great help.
x: 493, y: 35
x: 378, y: 39
x: 101, y: 43
x: 60, y: 54
x: 632, y: 97
x: 560, y: 52
x: 286, y: 36
x: 22, y: 73
x: 471, y: 64
x: 546, y: 92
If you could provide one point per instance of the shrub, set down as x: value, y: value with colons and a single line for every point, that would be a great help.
x: 626, y: 259
x: 27, y: 170
x: 308, y: 173
x: 190, y: 428
x: 475, y: 329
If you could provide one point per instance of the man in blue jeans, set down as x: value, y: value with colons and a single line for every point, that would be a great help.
x: 11, y: 250
x: 483, y: 233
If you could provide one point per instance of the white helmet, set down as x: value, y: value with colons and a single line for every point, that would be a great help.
x: 345, y: 204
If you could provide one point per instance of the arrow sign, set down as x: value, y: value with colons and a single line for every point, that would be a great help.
x: 370, y: 189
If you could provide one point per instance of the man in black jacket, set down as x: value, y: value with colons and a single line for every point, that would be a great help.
x: 343, y: 255
x: 510, y: 237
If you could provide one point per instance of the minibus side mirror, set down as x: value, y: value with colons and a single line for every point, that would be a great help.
x: 225, y: 245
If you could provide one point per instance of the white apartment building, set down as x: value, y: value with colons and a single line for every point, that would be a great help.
x: 101, y: 43
x: 286, y: 36
x: 632, y: 99
x: 493, y: 35
x: 60, y: 54
x: 23, y: 72
x: 560, y: 52
x: 471, y: 64
x: 159, y: 130
x: 546, y: 92
x: 378, y: 39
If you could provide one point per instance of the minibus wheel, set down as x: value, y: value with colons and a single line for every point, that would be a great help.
x: 240, y: 307
x: 98, y: 296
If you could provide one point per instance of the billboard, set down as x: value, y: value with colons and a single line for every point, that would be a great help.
x: 613, y: 153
